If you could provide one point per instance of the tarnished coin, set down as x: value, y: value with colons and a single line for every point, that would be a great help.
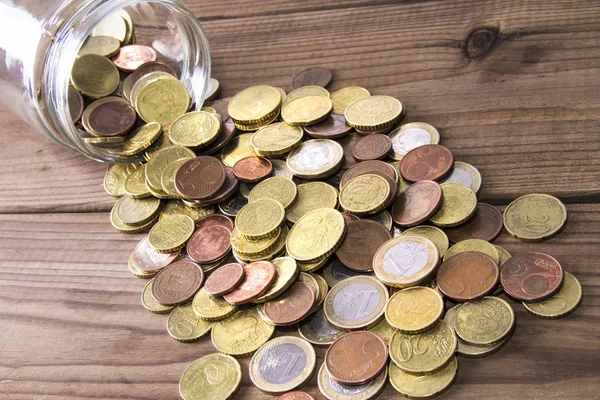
x: 467, y: 276
x: 535, y: 217
x: 209, y: 244
x: 335, y: 272
x: 211, y: 308
x: 259, y: 277
x: 130, y: 57
x: 282, y: 364
x: 137, y: 212
x: 171, y: 233
x: 110, y: 116
x: 260, y: 218
x: 224, y: 279
x: 215, y: 219
x: 356, y: 358
x: 436, y: 235
x: 337, y: 391
x: 374, y: 112
x: 423, y: 386
x: 485, y: 321
x: 414, y: 310
x: 287, y: 271
x: 200, y: 178
x: 196, y: 129
x: 346, y: 96
x: 213, y: 376
x: 417, y: 203
x: 252, y: 169
x: 372, y: 147
x: 356, y: 302
x: 242, y: 333
x: 276, y: 139
x: 408, y: 137
x: 428, y: 162
x: 334, y: 126
x: 290, y: 307
x: 365, y: 194
x: 239, y: 147
x: 150, y: 303
x: 465, y: 174
x: 173, y: 102
x: 405, y: 261
x: 183, y: 325
x: 458, y: 206
x: 363, y: 238
x: 531, y: 277
x: 94, y: 76
x: 317, y: 329
x: 177, y: 283
x: 314, y: 76
x: 311, y: 196
x: 562, y: 303
x: 146, y: 259
x: 474, y: 245
x: 486, y: 225
x: 315, y: 159
x: 316, y: 235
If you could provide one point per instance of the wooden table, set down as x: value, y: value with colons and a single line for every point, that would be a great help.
x: 512, y: 86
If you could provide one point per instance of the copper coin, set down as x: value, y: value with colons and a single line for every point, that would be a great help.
x: 148, y: 67
x: 417, y: 203
x: 356, y: 358
x: 75, y: 104
x: 200, y: 178
x: 485, y: 225
x: 467, y: 276
x: 227, y: 190
x: 531, y: 277
x: 112, y: 117
x: 363, y: 238
x: 370, y: 167
x: 428, y: 162
x: 177, y: 283
x: 224, y: 279
x: 252, y: 169
x: 221, y: 107
x: 227, y: 133
x: 296, y: 395
x: 209, y: 244
x: 259, y: 277
x: 292, y: 306
x: 372, y: 147
x: 215, y: 219
x: 315, y: 76
x: 332, y: 127
x: 348, y: 217
x: 132, y: 56
x: 146, y: 259
x: 347, y: 145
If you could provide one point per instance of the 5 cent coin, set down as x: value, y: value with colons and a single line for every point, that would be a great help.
x: 417, y: 203
x: 531, y: 277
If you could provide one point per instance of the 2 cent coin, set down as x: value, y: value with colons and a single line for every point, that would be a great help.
x: 224, y: 279
x: 252, y: 169
x: 428, y: 162
x: 315, y: 76
x: 200, y: 178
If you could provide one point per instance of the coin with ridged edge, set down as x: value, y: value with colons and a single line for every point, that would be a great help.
x: 315, y: 159
x: 333, y: 390
x: 535, y: 217
x: 423, y: 386
x: 414, y: 309
x: 213, y: 376
x: 374, y: 112
x: 211, y: 308
x: 184, y: 326
x: 485, y: 321
x: 458, y: 206
x: 260, y: 218
x: 365, y: 194
x: 316, y: 235
x: 276, y: 188
x: 242, y: 333
x: 312, y: 196
x: 171, y: 233
x: 562, y: 303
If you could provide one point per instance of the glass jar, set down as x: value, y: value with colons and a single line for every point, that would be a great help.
x: 39, y: 41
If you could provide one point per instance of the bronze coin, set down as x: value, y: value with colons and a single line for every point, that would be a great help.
x: 417, y: 203
x: 209, y: 244
x: 356, y: 358
x: 146, y: 259
x: 348, y: 217
x: 215, y: 219
x: 76, y: 104
x: 259, y: 278
x: 227, y: 190
x: 227, y: 133
x: 370, y: 167
x: 467, y: 276
x: 363, y: 238
x: 428, y: 162
x: 531, y: 277
x: 132, y: 56
x: 290, y: 307
x: 315, y: 76
x: 296, y: 395
x: 151, y: 66
x: 177, y: 283
x: 372, y: 147
x: 224, y: 279
x: 200, y: 178
x: 112, y: 117
x: 252, y: 169
x: 221, y: 107
x: 332, y: 127
x: 485, y: 225
x: 347, y: 145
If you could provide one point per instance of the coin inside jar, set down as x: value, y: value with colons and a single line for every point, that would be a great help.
x: 150, y: 66
x: 363, y: 238
x: 252, y: 169
x: 531, y: 276
x: 110, y: 116
x: 200, y: 178
x: 209, y: 244
x: 146, y: 259
x: 290, y: 307
x: 259, y: 277
x: 467, y: 276
x: 428, y: 162
x: 132, y: 56
x: 417, y: 203
x: 177, y: 283
x: 372, y: 147
x: 224, y: 279
x: 486, y: 225
x: 332, y: 127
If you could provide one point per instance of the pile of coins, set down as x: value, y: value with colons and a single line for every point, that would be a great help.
x: 317, y: 210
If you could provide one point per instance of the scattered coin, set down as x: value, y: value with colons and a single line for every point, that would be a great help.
x: 214, y: 219
x: 209, y: 244
x: 363, y: 238
x: 423, y: 386
x: 242, y: 333
x: 346, y: 96
x: 372, y: 147
x: 465, y: 174
x: 535, y: 217
x: 408, y: 137
x: 485, y: 321
x: 252, y: 169
x: 295, y: 395
x: 213, y: 376
x: 259, y: 276
x: 561, y: 304
x: 177, y: 283
x: 474, y: 245
x: 211, y: 308
x: 150, y: 303
x: 314, y: 76
x: 458, y: 206
x: 316, y: 235
x: 200, y: 178
x: 414, y: 310
x: 224, y: 279
x: 184, y: 326
x: 531, y: 277
x: 315, y: 159
x: 171, y: 233
x: 486, y: 225
x: 318, y: 330
x: 467, y: 276
x: 428, y: 162
x: 333, y: 390
x: 417, y: 203
x: 310, y: 196
x: 332, y: 127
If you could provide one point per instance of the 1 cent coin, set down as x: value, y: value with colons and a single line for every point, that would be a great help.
x: 224, y: 279
x: 485, y: 225
x: 356, y: 358
x: 332, y: 127
x: 200, y: 178
x: 315, y: 76
x: 290, y: 307
x: 132, y: 56
x: 252, y: 169
x: 363, y: 238
x: 531, y: 277
x: 417, y: 203
x: 209, y: 244
x: 259, y: 277
x: 177, y: 283
x: 215, y: 219
x: 428, y: 162
x: 146, y: 259
x: 372, y: 147
x: 468, y: 276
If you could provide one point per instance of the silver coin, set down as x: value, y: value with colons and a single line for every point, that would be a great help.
x: 282, y: 363
x: 465, y: 174
x: 280, y: 168
x: 335, y: 272
x: 334, y: 390
x: 405, y: 258
x: 233, y: 205
x: 212, y: 89
x: 317, y: 329
x: 356, y: 301
x: 317, y: 157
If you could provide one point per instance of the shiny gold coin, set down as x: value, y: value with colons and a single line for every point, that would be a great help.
x: 365, y: 194
x: 254, y: 104
x: 374, y: 112
x: 535, y: 217
x: 504, y: 255
x: 276, y: 188
x: 161, y: 143
x: 211, y: 308
x: 209, y: 110
x: 162, y: 100
x: 125, y: 228
x: 474, y: 245
x: 316, y: 235
x: 415, y: 309
x: 105, y: 141
x: 211, y: 377
x: 312, y: 196
x: 143, y: 82
x: 260, y: 218
x: 287, y: 272
x: 282, y: 93
x: 484, y: 321
x: 305, y: 91
x: 116, y: 175
x: 112, y: 25
x: 306, y: 110
x: 436, y: 235
x: 316, y: 159
x: 137, y: 212
x: 410, y: 136
x: 150, y: 304
x: 178, y: 207
x: 562, y: 303
x: 135, y: 184
x: 106, y: 46
x: 253, y: 248
x: 242, y: 333
x: 346, y: 96
x: 183, y: 325
x: 167, y: 178
x: 384, y: 330
x: 171, y: 233
x: 276, y: 139
x: 142, y: 138
x: 239, y: 147
x: 94, y: 76
x: 195, y: 129
x: 160, y: 161
x: 458, y: 206
x: 337, y: 391
x: 423, y: 386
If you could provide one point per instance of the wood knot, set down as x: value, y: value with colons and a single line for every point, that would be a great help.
x: 480, y: 42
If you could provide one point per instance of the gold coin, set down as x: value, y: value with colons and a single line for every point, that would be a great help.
x: 407, y: 137
x: 466, y: 175
x: 346, y: 96
x: 94, y: 76
x: 211, y: 377
x: 127, y: 88
x: 337, y: 391
x: 195, y: 129
x: 160, y: 161
x: 211, y: 308
x: 474, y: 245
x: 312, y: 266
x: 162, y: 100
x: 209, y: 110
x: 307, y: 110
x: 161, y: 143
x: 116, y: 175
x: 106, y: 142
x: 171, y: 233
x: 384, y: 330
x: 142, y: 138
x: 323, y: 290
x: 365, y: 194
x: 137, y: 212
x: 253, y: 248
x: 129, y: 39
x: 239, y: 147
x: 458, y: 206
x: 135, y: 184
x: 282, y: 93
x: 183, y: 325
x: 125, y: 228
x: 564, y: 302
x: 287, y: 272
x: 276, y: 139
x: 535, y: 217
x: 178, y: 207
x: 316, y: 159
x: 253, y: 127
x: 282, y: 364
x: 374, y: 112
x: 312, y: 196
x: 112, y: 25
x: 106, y: 46
x: 436, y: 235
x: 303, y: 92
x: 276, y: 188
x: 316, y: 235
x: 317, y: 330
x: 150, y: 304
x: 242, y: 333
x: 254, y: 104
x: 167, y: 178
x: 484, y: 321
x: 504, y: 255
x: 423, y: 386
x: 260, y: 218
x: 143, y: 82
x: 274, y: 251
x: 425, y: 352
x: 414, y: 310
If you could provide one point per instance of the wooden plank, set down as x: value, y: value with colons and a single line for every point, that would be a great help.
x: 72, y: 326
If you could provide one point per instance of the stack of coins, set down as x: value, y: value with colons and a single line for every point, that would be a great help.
x: 326, y: 212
